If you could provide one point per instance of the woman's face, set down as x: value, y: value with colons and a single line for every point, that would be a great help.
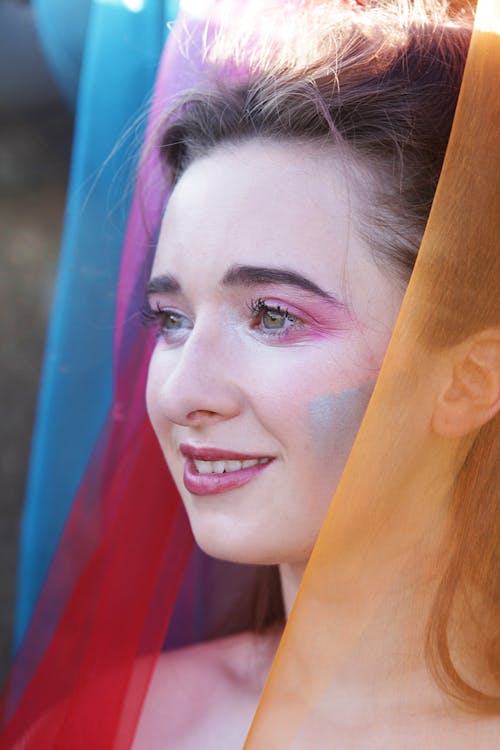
x: 273, y: 322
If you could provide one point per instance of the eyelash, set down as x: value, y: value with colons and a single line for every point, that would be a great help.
x: 150, y: 316
x: 260, y: 307
x: 157, y: 316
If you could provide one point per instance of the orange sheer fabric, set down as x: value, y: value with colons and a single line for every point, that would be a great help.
x: 390, y: 529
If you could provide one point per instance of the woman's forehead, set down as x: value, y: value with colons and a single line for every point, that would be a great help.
x: 261, y: 201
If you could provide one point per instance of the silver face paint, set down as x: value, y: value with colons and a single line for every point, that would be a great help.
x: 336, y: 418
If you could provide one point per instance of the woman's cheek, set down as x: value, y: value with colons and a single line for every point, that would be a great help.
x: 152, y: 384
x: 335, y: 418
x: 155, y: 383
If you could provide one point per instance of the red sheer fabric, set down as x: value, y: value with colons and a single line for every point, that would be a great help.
x: 82, y: 672
x: 116, y: 591
x: 81, y: 675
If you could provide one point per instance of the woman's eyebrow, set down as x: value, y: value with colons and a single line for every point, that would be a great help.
x: 163, y: 284
x: 255, y: 275
x: 247, y: 276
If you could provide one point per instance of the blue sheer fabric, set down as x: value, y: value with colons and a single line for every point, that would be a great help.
x: 62, y: 29
x: 119, y: 58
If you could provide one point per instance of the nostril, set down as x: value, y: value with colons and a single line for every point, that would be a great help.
x: 201, y: 413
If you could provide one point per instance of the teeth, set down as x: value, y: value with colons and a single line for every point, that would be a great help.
x: 224, y: 467
x: 231, y: 465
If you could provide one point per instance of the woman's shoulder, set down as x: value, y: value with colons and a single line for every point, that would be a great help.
x: 201, y: 693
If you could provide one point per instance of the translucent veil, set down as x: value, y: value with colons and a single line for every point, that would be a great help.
x: 116, y: 43
x: 379, y: 517
x: 125, y: 559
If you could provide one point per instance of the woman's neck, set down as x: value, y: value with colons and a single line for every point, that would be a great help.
x: 392, y: 641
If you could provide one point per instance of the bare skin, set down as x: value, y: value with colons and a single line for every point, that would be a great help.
x: 216, y: 685
x: 382, y: 697
x: 204, y: 697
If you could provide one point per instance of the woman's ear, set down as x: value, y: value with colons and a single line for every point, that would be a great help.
x: 471, y: 396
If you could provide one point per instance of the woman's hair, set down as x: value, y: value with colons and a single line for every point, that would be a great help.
x: 379, y: 82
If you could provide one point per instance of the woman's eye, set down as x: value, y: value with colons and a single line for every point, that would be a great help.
x: 172, y: 324
x: 171, y: 321
x: 272, y: 320
x: 168, y: 322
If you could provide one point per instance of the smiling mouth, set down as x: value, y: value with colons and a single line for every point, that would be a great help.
x: 211, y: 471
x: 226, y: 467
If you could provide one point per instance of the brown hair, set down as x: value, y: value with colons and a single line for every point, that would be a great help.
x: 382, y: 83
x: 387, y: 94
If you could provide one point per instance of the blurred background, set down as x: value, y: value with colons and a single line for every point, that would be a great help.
x: 35, y: 141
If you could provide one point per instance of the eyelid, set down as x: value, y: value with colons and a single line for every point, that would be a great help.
x: 155, y: 318
x: 257, y: 305
x: 292, y: 323
x: 149, y: 312
x: 321, y: 315
x: 306, y: 324
x: 160, y: 302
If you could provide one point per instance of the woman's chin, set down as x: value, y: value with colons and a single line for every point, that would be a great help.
x: 249, y: 548
x: 234, y: 550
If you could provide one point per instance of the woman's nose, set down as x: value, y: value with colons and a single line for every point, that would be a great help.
x: 194, y: 383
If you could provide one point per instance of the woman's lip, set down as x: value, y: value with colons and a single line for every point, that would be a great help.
x: 215, y: 484
x: 215, y: 454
